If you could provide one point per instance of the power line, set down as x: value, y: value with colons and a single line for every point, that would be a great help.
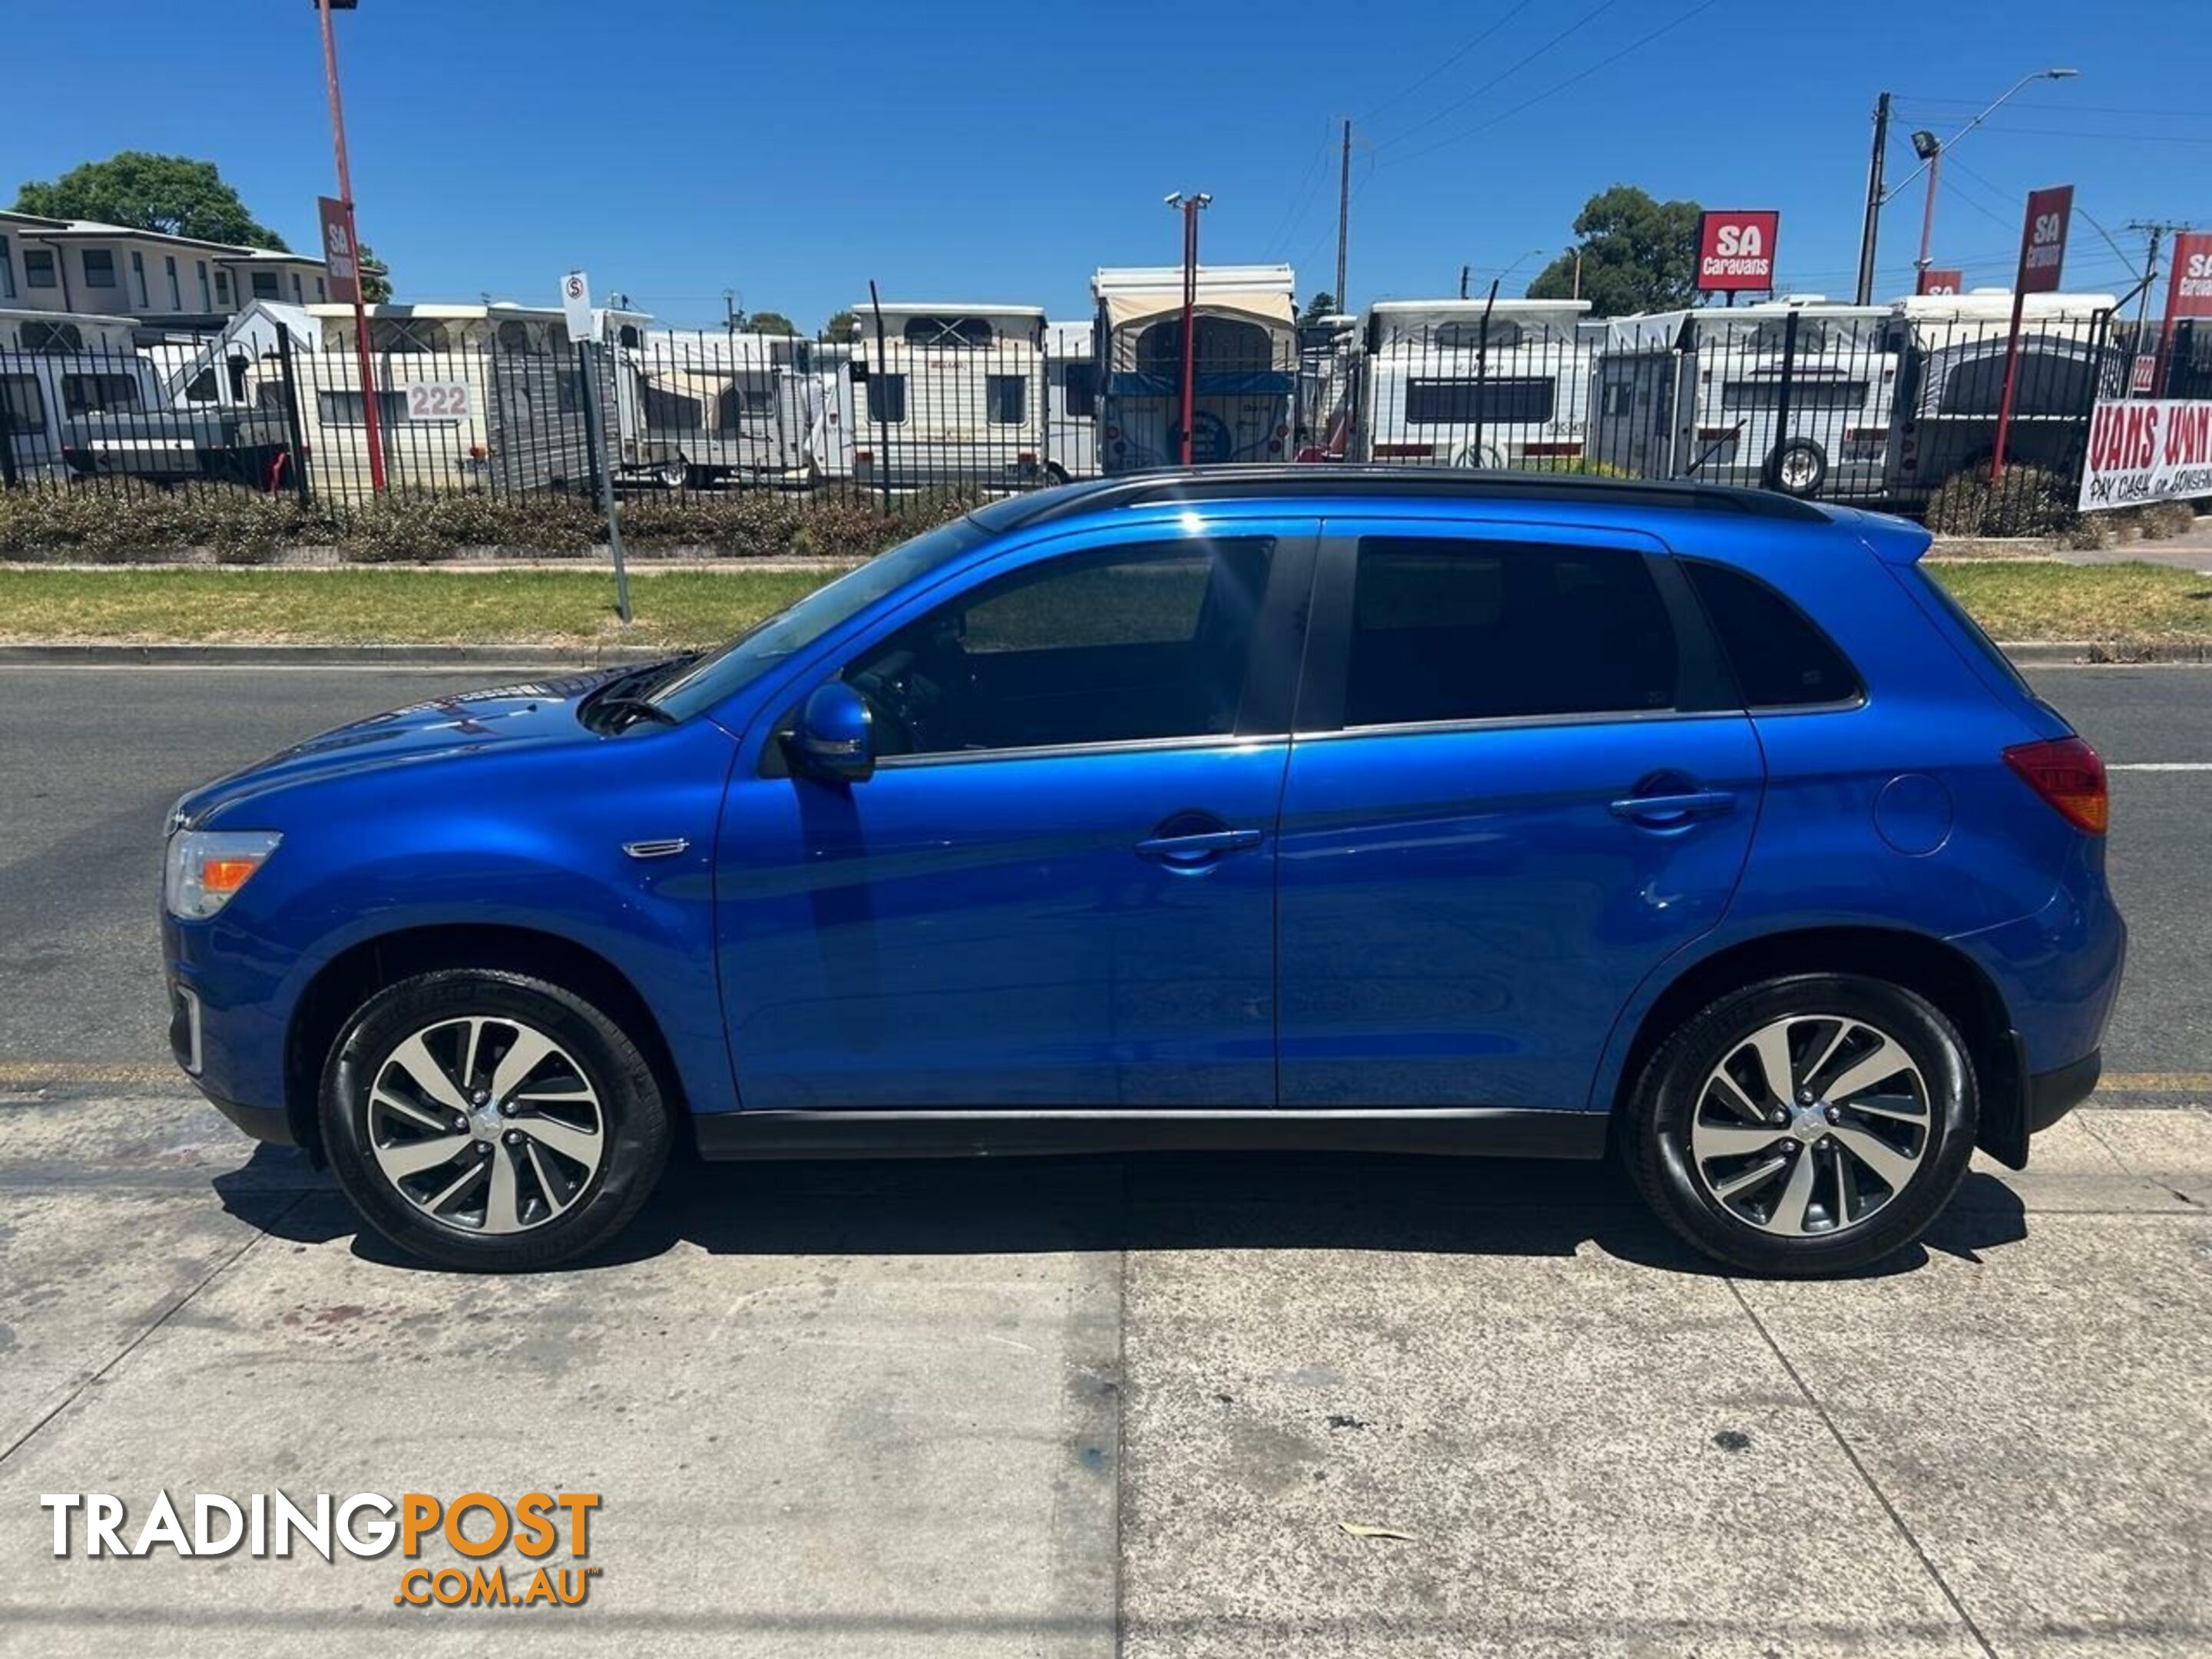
x: 1579, y: 23
x: 1636, y: 45
x: 1511, y: 13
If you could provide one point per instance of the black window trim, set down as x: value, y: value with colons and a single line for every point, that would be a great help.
x: 1770, y: 710
x: 1703, y: 687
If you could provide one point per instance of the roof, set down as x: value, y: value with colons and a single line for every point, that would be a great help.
x: 1316, y: 481
x: 1508, y: 308
x: 949, y: 309
x: 1150, y: 279
x: 100, y: 230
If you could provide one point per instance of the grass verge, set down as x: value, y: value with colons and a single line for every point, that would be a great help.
x: 2013, y: 600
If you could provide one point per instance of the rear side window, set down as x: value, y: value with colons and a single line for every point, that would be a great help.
x: 1461, y: 630
x: 1781, y: 659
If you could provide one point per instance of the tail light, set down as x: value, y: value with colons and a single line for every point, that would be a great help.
x: 2070, y: 776
x: 477, y: 452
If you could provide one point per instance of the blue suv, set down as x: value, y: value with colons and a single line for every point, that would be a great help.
x: 1319, y: 808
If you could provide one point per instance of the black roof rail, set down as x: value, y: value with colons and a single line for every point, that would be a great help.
x: 1326, y: 478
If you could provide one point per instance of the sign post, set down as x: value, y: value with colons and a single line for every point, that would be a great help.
x: 576, y: 305
x: 2042, y: 259
x: 1735, y: 250
x: 371, y: 426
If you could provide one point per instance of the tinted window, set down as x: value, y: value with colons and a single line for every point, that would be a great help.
x: 1436, y: 403
x: 21, y: 402
x: 1805, y: 396
x: 1080, y: 379
x: 887, y: 399
x: 1780, y: 659
x: 1458, y: 630
x: 1008, y: 398
x: 344, y: 408
x: 1469, y: 337
x: 99, y: 394
x: 1116, y: 647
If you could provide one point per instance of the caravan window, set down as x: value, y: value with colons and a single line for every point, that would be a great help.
x: 21, y: 398
x: 514, y: 336
x: 1457, y: 403
x: 50, y: 336
x: 1505, y: 334
x: 949, y: 333
x: 99, y: 394
x: 1806, y: 397
x: 409, y: 334
x: 751, y: 398
x: 887, y: 399
x: 1222, y: 345
x: 1078, y: 382
x: 344, y: 408
x: 1008, y: 398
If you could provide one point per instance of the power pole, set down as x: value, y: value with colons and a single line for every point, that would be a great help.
x: 1871, y: 228
x: 2157, y: 230
x: 1463, y: 274
x: 1343, y: 217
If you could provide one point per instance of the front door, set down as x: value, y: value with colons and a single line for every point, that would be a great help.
x: 1058, y: 888
x: 1519, y: 784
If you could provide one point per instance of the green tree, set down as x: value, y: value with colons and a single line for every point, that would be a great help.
x: 767, y: 322
x: 375, y: 277
x: 842, y: 326
x: 170, y: 193
x: 1323, y: 304
x: 1637, y: 254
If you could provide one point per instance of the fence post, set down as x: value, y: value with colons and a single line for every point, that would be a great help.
x: 1782, y: 402
x: 882, y: 398
x: 292, y: 433
x: 8, y: 478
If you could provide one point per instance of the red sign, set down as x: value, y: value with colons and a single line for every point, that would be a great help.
x: 2190, y: 293
x: 1735, y: 250
x: 1941, y: 282
x: 2043, y: 238
x: 341, y: 267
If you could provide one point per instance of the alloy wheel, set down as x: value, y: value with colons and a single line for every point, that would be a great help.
x: 1811, y: 1125
x: 486, y: 1124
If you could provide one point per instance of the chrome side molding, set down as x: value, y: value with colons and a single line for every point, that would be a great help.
x: 657, y: 849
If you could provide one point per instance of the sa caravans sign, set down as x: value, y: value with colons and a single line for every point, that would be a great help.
x: 1735, y: 250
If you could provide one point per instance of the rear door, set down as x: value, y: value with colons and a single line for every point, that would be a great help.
x: 1520, y: 780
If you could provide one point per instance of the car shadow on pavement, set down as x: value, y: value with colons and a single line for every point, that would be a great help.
x: 1154, y: 1201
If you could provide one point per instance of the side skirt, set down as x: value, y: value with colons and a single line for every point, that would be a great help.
x: 1476, y: 1130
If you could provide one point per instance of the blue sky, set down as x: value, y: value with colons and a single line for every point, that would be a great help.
x: 679, y: 148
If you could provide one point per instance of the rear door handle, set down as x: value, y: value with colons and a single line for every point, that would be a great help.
x: 1662, y: 811
x: 1196, y: 848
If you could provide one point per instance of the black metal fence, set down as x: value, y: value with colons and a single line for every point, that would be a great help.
x: 1872, y: 405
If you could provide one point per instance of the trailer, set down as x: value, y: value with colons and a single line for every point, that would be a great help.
x: 1243, y: 372
x: 719, y: 408
x: 949, y: 394
x: 1793, y: 394
x: 1071, y: 391
x: 1475, y: 383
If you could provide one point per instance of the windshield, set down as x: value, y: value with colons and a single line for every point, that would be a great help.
x: 715, y: 675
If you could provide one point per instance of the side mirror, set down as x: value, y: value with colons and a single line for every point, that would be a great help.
x: 836, y: 737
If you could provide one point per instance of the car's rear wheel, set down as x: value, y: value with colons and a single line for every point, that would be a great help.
x: 1806, y: 1125
x: 487, y: 1120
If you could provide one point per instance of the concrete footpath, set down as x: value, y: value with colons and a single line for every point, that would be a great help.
x: 1076, y: 1407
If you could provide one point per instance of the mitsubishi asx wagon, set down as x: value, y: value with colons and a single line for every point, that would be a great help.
x: 1318, y: 808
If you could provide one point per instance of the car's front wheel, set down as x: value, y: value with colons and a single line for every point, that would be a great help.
x: 487, y: 1120
x: 1806, y: 1125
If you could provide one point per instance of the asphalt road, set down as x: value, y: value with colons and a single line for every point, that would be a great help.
x: 1089, y: 1406
x: 93, y: 758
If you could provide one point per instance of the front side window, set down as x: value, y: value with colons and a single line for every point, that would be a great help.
x: 99, y: 394
x: 1463, y: 630
x: 1524, y: 400
x: 98, y: 268
x: 887, y: 399
x: 1780, y: 657
x: 39, y: 268
x: 1007, y: 397
x: 1129, y: 644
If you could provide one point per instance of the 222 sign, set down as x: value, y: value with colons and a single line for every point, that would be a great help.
x: 437, y: 400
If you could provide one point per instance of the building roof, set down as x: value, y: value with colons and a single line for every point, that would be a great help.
x: 99, y: 230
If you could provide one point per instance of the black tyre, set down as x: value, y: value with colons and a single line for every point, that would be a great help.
x: 1800, y: 467
x: 486, y: 1119
x: 1841, y: 1162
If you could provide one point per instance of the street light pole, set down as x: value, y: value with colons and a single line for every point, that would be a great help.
x: 1934, y: 152
x: 370, y: 424
x: 1190, y: 206
x: 1931, y: 153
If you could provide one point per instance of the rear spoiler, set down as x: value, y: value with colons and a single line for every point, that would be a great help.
x: 1894, y: 541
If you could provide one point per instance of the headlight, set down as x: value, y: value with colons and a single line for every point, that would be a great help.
x: 206, y: 866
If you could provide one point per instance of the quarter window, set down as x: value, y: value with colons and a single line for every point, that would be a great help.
x: 1458, y: 630
x: 1128, y: 645
x: 1781, y: 659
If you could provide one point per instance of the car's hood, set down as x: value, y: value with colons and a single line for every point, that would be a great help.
x: 445, y: 729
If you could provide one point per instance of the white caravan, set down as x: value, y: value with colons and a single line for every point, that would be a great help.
x: 1244, y: 370
x: 949, y: 394
x: 722, y: 407
x: 1071, y: 393
x: 1475, y: 383
x: 1951, y: 352
x: 1700, y: 394
x: 59, y: 366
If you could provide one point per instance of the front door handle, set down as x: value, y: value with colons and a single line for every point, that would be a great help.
x: 1201, y: 847
x: 1665, y: 812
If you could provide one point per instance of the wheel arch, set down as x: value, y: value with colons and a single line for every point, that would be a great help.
x: 1931, y: 968
x: 349, y: 978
